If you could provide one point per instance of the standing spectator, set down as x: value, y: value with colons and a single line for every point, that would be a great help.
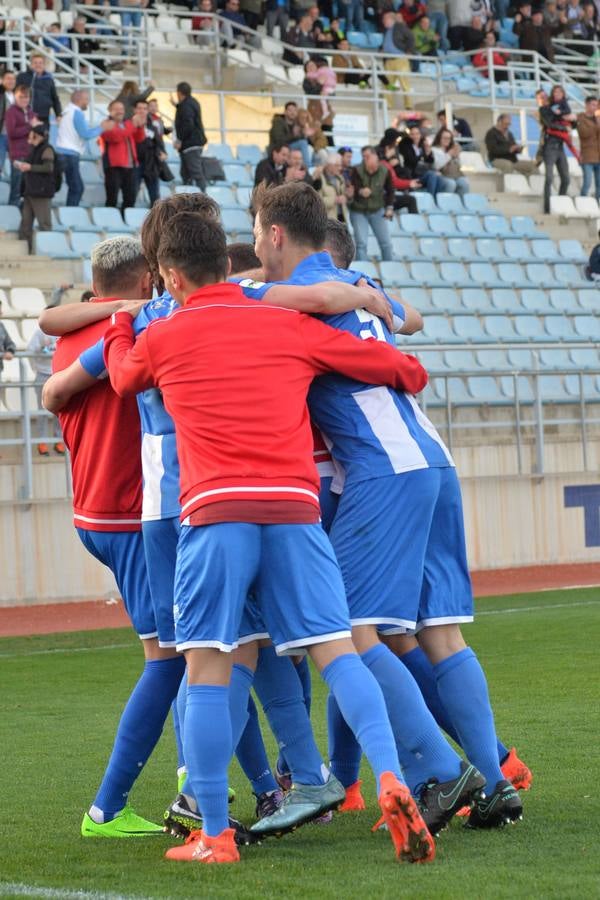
x: 43, y: 90
x: 120, y: 155
x: 130, y: 95
x: 332, y: 189
x: 535, y: 35
x: 446, y: 154
x: 499, y: 60
x: 286, y: 130
x: 39, y: 184
x: 401, y: 180
x: 190, y: 136
x: 437, y: 12
x: 131, y: 21
x: 18, y: 120
x: 319, y: 78
x: 82, y: 43
x: 272, y: 169
x: 157, y: 120
x: 300, y: 36
x: 426, y: 40
x: 411, y: 11
x: 73, y: 135
x: 7, y: 345
x: 44, y: 345
x: 503, y: 150
x: 277, y: 13
x: 418, y: 160
x: 151, y: 153
x: 588, y: 128
x: 353, y: 12
x: 558, y: 121
x: 372, y: 204
x: 7, y: 98
x: 398, y: 41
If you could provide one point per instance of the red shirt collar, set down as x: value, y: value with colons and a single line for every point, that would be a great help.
x: 223, y: 292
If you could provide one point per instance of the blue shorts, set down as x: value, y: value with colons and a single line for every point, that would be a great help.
x: 252, y: 625
x: 400, y: 544
x: 329, y: 503
x: 290, y: 571
x: 123, y: 553
x: 160, y: 547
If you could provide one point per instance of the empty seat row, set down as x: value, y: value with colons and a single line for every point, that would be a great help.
x: 489, y: 249
x: 492, y: 329
x: 575, y: 207
x: 468, y: 225
x: 482, y: 274
x: 505, y: 390
x: 514, y: 302
x: 520, y: 359
x: 451, y: 203
x: 22, y: 302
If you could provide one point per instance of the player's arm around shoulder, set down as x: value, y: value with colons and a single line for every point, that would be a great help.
x: 329, y: 298
x: 413, y: 320
x: 62, y: 386
x: 63, y: 319
x: 372, y: 361
x: 127, y: 360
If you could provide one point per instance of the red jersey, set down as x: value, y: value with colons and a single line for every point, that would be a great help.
x: 103, y: 434
x: 234, y: 374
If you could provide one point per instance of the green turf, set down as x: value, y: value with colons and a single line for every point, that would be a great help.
x: 58, y: 712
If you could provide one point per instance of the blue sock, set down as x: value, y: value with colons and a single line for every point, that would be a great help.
x: 463, y: 690
x: 279, y: 690
x: 503, y: 751
x: 344, y: 750
x: 207, y: 748
x: 423, y: 750
x: 178, y: 734
x: 138, y: 732
x: 303, y: 673
x: 239, y: 693
x: 252, y: 755
x: 362, y: 705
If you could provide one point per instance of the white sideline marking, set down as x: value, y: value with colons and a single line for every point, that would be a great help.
x: 15, y: 889
x: 484, y: 612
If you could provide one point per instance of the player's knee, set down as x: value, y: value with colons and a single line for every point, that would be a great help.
x: 400, y: 644
x: 441, y: 641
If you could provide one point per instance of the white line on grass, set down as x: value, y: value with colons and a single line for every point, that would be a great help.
x: 484, y: 612
x: 16, y: 889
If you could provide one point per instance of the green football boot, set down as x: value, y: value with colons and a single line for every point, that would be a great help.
x: 181, y: 777
x: 125, y: 824
x: 302, y: 803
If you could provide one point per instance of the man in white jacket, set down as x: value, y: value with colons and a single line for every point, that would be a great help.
x: 73, y: 134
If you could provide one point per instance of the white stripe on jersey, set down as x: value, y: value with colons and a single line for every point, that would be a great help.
x: 429, y: 427
x: 384, y: 418
x: 87, y: 519
x: 153, y: 470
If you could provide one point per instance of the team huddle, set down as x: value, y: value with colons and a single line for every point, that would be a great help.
x: 285, y: 495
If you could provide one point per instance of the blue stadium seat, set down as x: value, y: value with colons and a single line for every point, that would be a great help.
x: 521, y: 360
x: 108, y: 219
x: 373, y: 249
x: 563, y: 300
x: 417, y: 297
x: 237, y: 175
x: 500, y: 328
x: 588, y: 384
x: 4, y: 193
x: 90, y: 173
x: 455, y: 273
x: 243, y: 196
x: 223, y: 194
x: 492, y: 360
x: 10, y: 217
x: 457, y: 392
x: 438, y: 329
x: 358, y: 39
x: 519, y: 387
x: 589, y: 298
x: 496, y: 225
x: 93, y: 195
x: 53, y: 244
x: 429, y: 248
x: 395, y: 274
x: 552, y: 388
x: 450, y: 203
x: 587, y: 327
x: 425, y: 273
x: 485, y: 389
x: 433, y: 360
x: 546, y: 251
x: 585, y: 357
x: 83, y: 242
x: 442, y: 224
x: 460, y: 360
x: 517, y: 249
x: 134, y: 217
x: 555, y: 358
x: 568, y: 274
x: 559, y: 328
x: 187, y: 189
x: 541, y: 274
x: 76, y: 218
x: 366, y: 267
x: 506, y: 301
x: 470, y: 226
x: 56, y: 225
x: 531, y: 328
x: 475, y: 299
x: 476, y: 203
x: 572, y: 251
x: 469, y: 328
x: 483, y: 273
x: 490, y: 249
x: 235, y: 220
x: 524, y: 226
x: 512, y: 273
x: 60, y: 198
x: 249, y: 153
x: 406, y: 248
x: 534, y: 300
x: 461, y: 248
x: 446, y: 300
x: 221, y: 151
x: 413, y: 224
x: 425, y: 201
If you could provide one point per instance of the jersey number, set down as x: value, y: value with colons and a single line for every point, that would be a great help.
x: 376, y: 329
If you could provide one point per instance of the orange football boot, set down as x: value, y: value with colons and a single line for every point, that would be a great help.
x: 202, y: 848
x: 354, y: 799
x: 515, y: 771
x: 412, y: 840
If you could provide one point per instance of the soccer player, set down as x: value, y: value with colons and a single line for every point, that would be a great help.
x: 398, y: 535
x: 102, y: 432
x: 234, y: 375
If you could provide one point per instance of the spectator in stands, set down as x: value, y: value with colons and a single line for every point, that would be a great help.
x: 18, y: 120
x: 83, y: 43
x: 43, y: 346
x: 426, y: 40
x: 233, y: 36
x: 286, y: 130
x: 535, y: 35
x: 351, y: 61
x: 588, y: 128
x: 588, y: 30
x: 468, y: 21
x: 398, y: 42
x: 313, y: 129
x: 418, y: 161
x: 346, y: 155
x: 296, y: 170
x: 481, y: 60
x: 252, y: 12
x: 130, y: 95
x: 353, y: 12
x: 411, y: 11
x: 372, y: 204
x: 332, y: 188
x: 277, y: 13
x: 157, y: 120
x: 7, y: 98
x: 58, y: 42
x: 300, y: 36
x: 7, y: 345
x: 151, y: 153
x: 402, y: 183
x: 272, y: 169
x: 204, y: 25
x: 131, y: 21
x: 446, y: 153
x: 120, y: 156
x: 190, y: 136
x: 39, y: 184
x: 558, y: 122
x: 44, y: 96
x: 503, y: 150
x: 73, y: 134
x: 460, y: 128
x: 319, y: 78
x: 437, y: 10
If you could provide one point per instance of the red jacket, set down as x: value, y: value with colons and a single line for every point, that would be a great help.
x: 399, y: 184
x: 480, y: 61
x: 413, y: 14
x: 234, y: 374
x: 116, y: 142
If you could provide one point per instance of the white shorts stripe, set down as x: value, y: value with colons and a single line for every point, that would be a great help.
x: 291, y: 648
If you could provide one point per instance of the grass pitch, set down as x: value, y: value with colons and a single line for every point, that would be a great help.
x: 60, y: 698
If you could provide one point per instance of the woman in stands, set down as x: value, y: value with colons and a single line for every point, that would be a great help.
x: 446, y: 153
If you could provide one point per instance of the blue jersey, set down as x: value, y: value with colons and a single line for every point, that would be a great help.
x: 372, y: 431
x: 160, y: 466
